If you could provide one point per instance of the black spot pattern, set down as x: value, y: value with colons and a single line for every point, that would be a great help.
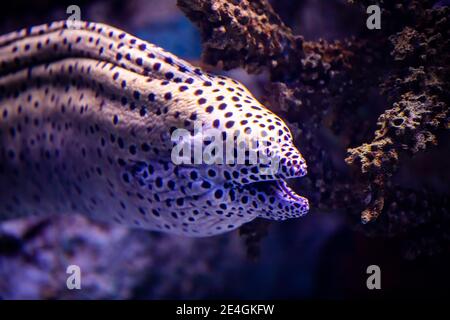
x: 92, y: 136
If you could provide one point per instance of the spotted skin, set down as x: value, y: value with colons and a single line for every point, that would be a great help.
x: 86, y: 117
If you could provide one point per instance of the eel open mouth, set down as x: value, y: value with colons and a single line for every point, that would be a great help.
x: 277, y: 187
x: 279, y: 201
x: 280, y: 185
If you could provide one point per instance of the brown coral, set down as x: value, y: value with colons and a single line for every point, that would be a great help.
x: 245, y: 33
x: 337, y: 89
x: 419, y: 89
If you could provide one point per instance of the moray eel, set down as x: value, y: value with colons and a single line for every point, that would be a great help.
x: 86, y: 116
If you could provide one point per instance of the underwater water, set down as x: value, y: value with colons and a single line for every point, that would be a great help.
x: 385, y: 205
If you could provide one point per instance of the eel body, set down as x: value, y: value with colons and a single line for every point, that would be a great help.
x: 86, y: 122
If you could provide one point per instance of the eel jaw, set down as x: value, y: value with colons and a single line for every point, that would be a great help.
x: 280, y: 201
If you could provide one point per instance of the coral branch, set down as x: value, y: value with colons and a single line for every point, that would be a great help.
x: 332, y: 93
x: 245, y: 33
x: 420, y: 88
